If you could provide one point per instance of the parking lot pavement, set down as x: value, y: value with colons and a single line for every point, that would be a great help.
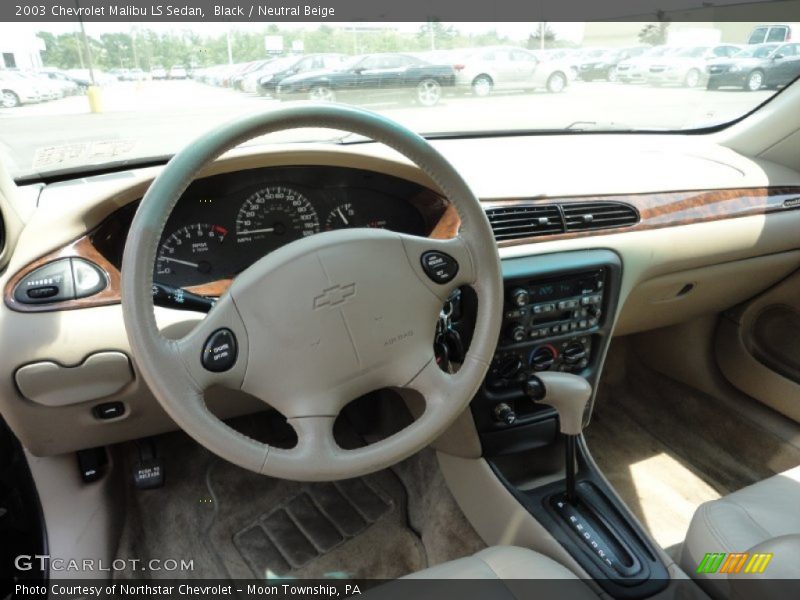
x: 158, y: 117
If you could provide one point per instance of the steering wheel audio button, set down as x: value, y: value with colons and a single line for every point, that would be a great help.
x: 439, y: 267
x: 219, y: 351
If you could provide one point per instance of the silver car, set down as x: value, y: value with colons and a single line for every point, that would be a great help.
x: 484, y: 70
x: 687, y: 67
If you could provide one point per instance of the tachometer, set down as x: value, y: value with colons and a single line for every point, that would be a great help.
x: 275, y: 216
x: 191, y: 255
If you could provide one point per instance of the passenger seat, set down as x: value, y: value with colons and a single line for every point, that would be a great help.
x: 761, y: 518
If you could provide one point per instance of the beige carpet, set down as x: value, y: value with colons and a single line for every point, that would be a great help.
x: 235, y: 524
x: 667, y: 448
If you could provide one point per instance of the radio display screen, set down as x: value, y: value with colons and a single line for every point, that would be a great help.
x: 541, y: 291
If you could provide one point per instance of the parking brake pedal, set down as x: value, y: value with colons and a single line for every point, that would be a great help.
x: 148, y: 472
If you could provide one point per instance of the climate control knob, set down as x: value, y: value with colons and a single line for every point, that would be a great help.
x: 520, y: 297
x: 574, y: 353
x: 516, y: 332
x: 543, y: 358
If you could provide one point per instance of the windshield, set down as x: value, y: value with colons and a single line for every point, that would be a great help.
x: 760, y: 51
x: 138, y: 92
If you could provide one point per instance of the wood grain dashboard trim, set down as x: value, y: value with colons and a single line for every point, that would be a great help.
x: 669, y: 209
x: 80, y: 248
x: 663, y: 209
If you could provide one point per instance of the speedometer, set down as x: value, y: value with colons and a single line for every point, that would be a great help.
x: 275, y: 216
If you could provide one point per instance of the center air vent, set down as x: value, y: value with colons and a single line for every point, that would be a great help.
x: 581, y: 216
x: 524, y: 221
x: 534, y: 220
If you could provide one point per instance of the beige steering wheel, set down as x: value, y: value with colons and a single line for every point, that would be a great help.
x: 321, y: 321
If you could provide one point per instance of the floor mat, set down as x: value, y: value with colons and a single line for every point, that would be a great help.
x: 310, y: 524
x: 235, y: 524
x: 667, y: 448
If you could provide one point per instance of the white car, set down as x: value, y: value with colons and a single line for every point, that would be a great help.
x: 485, y: 70
x: 635, y: 70
x: 687, y: 67
x: 16, y: 90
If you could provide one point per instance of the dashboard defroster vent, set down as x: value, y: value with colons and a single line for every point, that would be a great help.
x: 524, y: 221
x: 535, y: 220
x: 582, y: 216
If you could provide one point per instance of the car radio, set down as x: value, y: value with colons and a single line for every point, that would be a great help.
x: 547, y: 325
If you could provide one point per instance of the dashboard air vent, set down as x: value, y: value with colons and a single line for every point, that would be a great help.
x: 583, y: 216
x: 524, y: 221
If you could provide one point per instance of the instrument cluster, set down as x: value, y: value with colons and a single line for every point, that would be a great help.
x: 224, y: 223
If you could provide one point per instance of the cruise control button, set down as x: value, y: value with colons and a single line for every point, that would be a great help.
x: 440, y: 267
x: 219, y: 352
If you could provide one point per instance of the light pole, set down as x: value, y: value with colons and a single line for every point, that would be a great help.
x: 93, y: 91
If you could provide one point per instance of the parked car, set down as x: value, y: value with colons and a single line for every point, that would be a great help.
x: 236, y: 76
x: 15, y: 90
x: 687, y: 66
x: 635, y: 70
x: 265, y: 80
x: 372, y: 76
x: 47, y: 89
x: 158, y: 73
x: 484, y: 70
x: 778, y: 32
x: 178, y: 72
x: 755, y: 67
x: 604, y: 66
x: 69, y: 86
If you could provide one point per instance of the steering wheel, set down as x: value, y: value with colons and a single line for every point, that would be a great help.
x: 321, y: 321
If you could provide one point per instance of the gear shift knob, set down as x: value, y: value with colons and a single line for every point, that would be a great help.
x: 565, y: 392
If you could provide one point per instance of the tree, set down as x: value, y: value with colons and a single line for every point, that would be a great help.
x: 535, y: 38
x: 655, y: 34
x: 434, y: 35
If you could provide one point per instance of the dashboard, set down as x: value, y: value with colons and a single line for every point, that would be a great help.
x: 224, y: 223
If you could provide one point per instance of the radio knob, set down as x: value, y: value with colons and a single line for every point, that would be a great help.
x: 516, y: 332
x: 520, y: 297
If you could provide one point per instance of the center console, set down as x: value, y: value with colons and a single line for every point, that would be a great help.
x: 557, y: 316
x: 538, y: 396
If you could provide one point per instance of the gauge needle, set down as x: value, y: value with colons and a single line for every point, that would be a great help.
x: 265, y: 230
x: 179, y: 261
x: 341, y: 214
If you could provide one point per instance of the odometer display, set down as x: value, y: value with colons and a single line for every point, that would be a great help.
x: 275, y: 216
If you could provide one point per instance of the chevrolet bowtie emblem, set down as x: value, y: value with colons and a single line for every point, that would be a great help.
x: 335, y: 295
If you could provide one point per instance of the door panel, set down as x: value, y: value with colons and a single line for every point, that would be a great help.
x: 758, y: 347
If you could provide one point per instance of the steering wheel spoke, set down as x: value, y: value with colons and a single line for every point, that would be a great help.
x: 216, y: 351
x: 442, y: 265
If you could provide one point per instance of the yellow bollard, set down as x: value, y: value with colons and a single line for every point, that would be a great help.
x: 95, y: 96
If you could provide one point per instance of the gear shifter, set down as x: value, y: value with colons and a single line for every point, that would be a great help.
x: 568, y: 394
